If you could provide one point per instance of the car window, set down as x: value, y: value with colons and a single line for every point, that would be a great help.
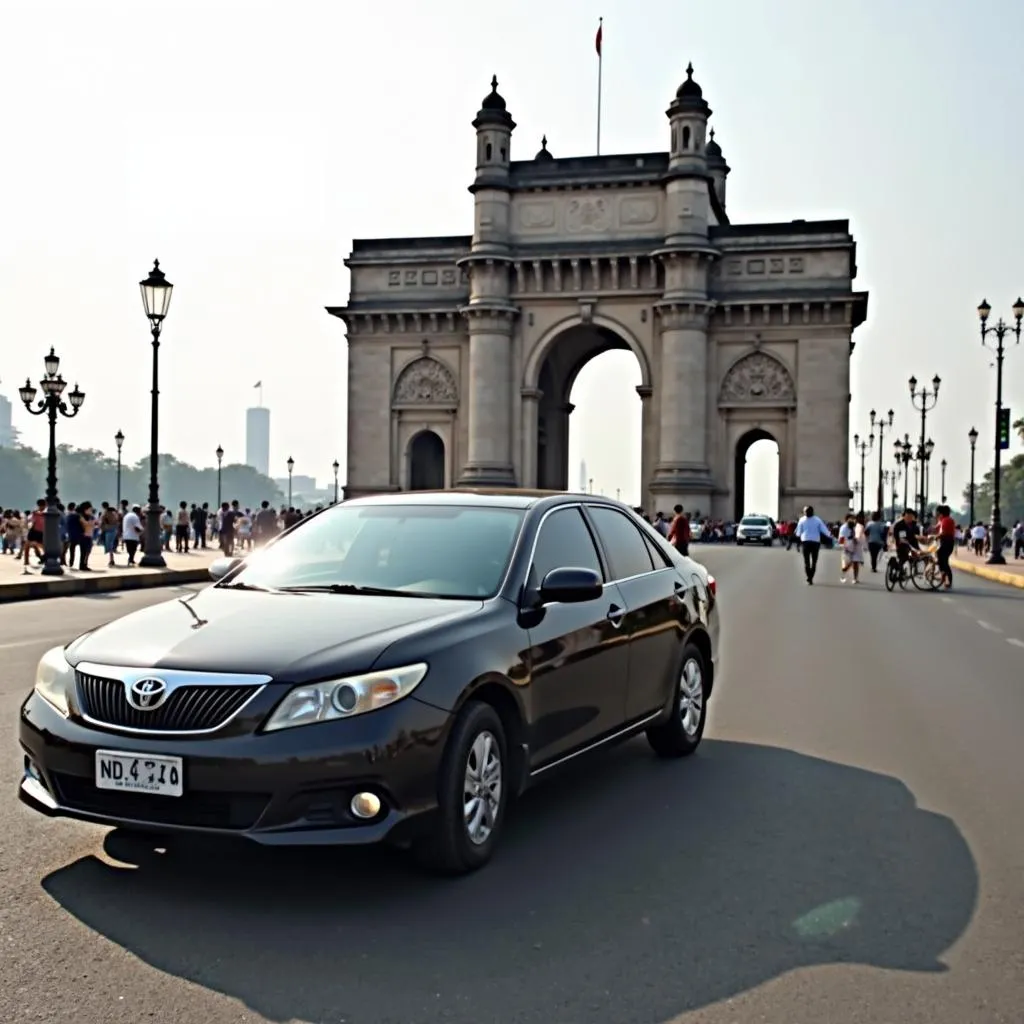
x: 753, y: 521
x: 443, y: 550
x: 624, y: 544
x: 660, y: 559
x: 564, y: 542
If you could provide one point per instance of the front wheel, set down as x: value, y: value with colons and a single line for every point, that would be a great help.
x: 472, y: 791
x: 681, y: 734
x: 892, y: 574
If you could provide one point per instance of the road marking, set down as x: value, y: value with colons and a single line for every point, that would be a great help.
x: 948, y: 600
x: 989, y: 626
x: 1013, y: 640
x: 29, y: 643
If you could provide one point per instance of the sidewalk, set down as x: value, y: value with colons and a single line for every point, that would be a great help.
x: 1012, y: 574
x: 14, y: 586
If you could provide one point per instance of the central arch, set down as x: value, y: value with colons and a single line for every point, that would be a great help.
x: 552, y: 369
x: 746, y: 441
x: 426, y: 462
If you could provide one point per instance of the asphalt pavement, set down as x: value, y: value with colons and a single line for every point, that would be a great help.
x: 847, y: 846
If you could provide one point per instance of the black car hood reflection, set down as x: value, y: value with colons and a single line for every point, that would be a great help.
x: 292, y: 637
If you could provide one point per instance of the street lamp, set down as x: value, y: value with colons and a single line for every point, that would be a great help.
x: 972, y: 436
x: 291, y: 467
x: 924, y: 460
x: 335, y: 467
x: 220, y: 458
x: 943, y: 464
x: 51, y: 404
x: 156, y: 299
x: 923, y: 401
x: 119, y: 440
x: 863, y: 447
x: 879, y: 423
x: 1000, y: 329
x: 856, y: 488
x: 894, y: 475
x: 902, y: 450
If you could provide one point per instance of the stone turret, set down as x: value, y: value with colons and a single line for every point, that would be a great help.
x: 717, y: 168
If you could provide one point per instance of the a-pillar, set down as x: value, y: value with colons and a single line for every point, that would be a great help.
x: 647, y: 451
x: 682, y: 474
x: 489, y: 398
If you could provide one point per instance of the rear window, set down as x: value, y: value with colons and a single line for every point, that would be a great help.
x: 753, y: 521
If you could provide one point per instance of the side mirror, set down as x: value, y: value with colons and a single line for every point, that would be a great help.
x: 219, y: 569
x: 571, y: 586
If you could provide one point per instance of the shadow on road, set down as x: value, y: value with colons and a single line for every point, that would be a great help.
x: 632, y: 889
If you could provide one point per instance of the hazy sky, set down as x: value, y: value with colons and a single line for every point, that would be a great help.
x: 247, y: 143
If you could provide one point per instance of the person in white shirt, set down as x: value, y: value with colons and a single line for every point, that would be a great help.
x: 131, y: 531
x: 851, y: 537
x: 811, y: 531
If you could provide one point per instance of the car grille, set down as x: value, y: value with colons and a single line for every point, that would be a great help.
x: 235, y: 811
x: 187, y: 709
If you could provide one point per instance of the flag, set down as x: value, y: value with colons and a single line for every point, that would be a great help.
x: 258, y: 384
x: 600, y: 35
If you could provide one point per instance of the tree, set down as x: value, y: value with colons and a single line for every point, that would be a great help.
x: 87, y: 474
x: 1011, y: 496
x: 1019, y: 427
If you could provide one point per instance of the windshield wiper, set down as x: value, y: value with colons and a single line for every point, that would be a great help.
x: 240, y: 585
x: 351, y: 588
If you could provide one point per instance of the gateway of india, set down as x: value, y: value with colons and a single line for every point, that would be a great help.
x: 463, y: 349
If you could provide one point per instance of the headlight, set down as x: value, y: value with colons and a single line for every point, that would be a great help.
x: 345, y: 698
x: 54, y: 679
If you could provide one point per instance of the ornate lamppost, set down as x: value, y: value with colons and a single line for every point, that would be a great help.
x: 119, y: 441
x: 942, y: 465
x: 923, y: 401
x: 220, y: 459
x: 880, y: 423
x: 894, y: 475
x: 856, y: 489
x: 291, y: 468
x: 972, y: 436
x: 903, y: 452
x: 1000, y: 329
x: 862, y: 448
x: 156, y: 299
x: 924, y: 461
x: 51, y: 405
x: 335, y: 466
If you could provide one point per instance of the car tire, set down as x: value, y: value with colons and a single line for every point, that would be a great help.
x: 681, y: 734
x: 476, y: 746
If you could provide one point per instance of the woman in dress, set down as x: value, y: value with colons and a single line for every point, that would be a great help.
x: 852, y: 542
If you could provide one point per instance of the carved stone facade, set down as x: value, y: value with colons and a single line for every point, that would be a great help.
x: 464, y: 348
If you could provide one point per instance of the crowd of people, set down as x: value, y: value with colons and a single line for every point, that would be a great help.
x: 122, y: 528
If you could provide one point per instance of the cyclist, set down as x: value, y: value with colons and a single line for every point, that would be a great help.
x: 906, y: 536
x: 945, y: 529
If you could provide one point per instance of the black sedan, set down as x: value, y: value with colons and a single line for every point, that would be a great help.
x: 396, y: 668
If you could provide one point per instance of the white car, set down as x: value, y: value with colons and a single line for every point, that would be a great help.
x: 755, y: 530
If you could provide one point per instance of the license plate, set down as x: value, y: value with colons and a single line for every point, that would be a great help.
x: 139, y: 773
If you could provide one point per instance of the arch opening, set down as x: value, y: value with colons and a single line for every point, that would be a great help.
x: 426, y: 462
x: 756, y: 475
x: 589, y: 429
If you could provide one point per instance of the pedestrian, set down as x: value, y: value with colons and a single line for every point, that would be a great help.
x: 679, y: 531
x: 945, y: 528
x: 852, y: 541
x: 810, y: 532
x: 131, y: 531
x: 877, y: 536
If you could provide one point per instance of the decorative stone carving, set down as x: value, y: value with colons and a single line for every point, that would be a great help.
x: 537, y: 216
x: 425, y: 381
x: 758, y: 377
x: 587, y: 215
x: 637, y: 211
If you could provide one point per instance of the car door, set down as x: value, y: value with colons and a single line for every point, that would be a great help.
x: 579, y: 653
x: 654, y: 592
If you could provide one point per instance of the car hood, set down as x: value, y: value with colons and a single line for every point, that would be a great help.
x: 293, y: 637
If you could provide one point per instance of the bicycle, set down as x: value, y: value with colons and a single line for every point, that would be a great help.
x: 921, y: 568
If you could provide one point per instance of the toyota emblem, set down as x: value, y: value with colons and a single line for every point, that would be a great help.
x: 147, y: 694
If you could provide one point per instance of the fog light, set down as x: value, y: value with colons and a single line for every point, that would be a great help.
x: 31, y: 770
x: 365, y: 805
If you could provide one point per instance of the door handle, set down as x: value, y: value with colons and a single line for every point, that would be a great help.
x: 616, y: 615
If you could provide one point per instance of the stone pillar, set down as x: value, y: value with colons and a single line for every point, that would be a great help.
x: 682, y: 474
x: 530, y: 398
x: 647, y: 452
x: 489, y: 397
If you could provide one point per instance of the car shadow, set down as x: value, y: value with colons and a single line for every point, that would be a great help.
x: 628, y: 889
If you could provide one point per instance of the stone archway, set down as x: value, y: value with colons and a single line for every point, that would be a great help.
x: 426, y: 462
x: 743, y: 446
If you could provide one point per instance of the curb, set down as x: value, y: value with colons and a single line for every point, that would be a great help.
x: 1010, y: 579
x: 36, y: 589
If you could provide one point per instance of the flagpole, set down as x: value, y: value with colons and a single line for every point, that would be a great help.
x: 600, y: 67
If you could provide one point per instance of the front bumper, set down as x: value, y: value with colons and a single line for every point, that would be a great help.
x: 287, y: 788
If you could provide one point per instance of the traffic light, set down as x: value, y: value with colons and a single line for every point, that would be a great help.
x: 1003, y: 428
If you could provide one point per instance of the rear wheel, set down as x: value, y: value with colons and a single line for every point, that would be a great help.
x: 681, y: 734
x: 472, y: 790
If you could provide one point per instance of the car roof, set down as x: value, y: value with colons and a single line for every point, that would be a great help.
x: 495, y: 497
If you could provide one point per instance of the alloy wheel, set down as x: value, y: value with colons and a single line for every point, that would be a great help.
x: 691, y: 696
x: 482, y: 787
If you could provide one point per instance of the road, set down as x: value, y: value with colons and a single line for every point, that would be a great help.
x: 848, y: 847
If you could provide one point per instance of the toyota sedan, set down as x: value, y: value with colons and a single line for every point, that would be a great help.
x: 393, y: 668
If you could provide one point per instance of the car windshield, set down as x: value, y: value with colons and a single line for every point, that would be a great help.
x: 753, y: 521
x: 455, y: 551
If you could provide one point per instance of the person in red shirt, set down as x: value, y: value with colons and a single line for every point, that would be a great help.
x: 945, y: 529
x: 679, y: 531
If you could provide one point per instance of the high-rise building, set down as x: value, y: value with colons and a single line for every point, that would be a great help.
x: 6, y: 426
x: 257, y: 439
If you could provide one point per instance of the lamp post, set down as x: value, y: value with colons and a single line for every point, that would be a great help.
x: 291, y: 468
x: 335, y: 467
x: 857, y: 488
x: 972, y: 436
x: 924, y: 462
x: 894, y: 480
x: 119, y: 441
x: 923, y: 401
x: 880, y: 423
x: 220, y: 458
x: 902, y: 450
x: 156, y: 298
x: 863, y: 447
x: 942, y: 465
x: 51, y: 405
x: 1000, y: 329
